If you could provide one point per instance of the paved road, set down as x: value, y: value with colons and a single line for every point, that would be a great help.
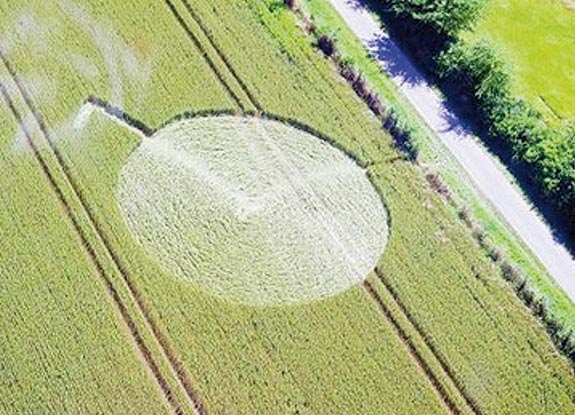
x: 483, y: 170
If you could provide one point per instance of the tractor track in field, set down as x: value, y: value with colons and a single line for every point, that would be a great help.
x: 412, y: 349
x: 176, y: 366
x: 112, y: 292
x: 198, y: 21
x: 473, y: 406
x: 203, y: 52
x: 368, y: 288
x: 253, y: 101
x: 223, y: 57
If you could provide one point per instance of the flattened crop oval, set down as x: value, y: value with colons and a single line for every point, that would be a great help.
x: 253, y: 210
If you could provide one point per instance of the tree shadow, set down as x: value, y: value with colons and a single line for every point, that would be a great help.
x: 395, y: 62
x: 356, y: 4
x: 453, y: 122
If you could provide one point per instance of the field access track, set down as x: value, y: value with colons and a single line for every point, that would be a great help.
x: 215, y: 59
x: 152, y: 344
x: 446, y: 383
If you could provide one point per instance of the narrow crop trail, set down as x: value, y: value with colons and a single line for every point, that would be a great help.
x: 438, y: 388
x: 121, y: 309
x: 484, y: 171
x: 75, y: 217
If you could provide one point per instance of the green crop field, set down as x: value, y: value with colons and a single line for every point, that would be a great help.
x: 536, y: 39
x: 156, y: 156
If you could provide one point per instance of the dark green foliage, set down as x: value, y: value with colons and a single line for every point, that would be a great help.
x: 326, y: 44
x: 447, y: 17
x: 475, y: 71
x: 477, y: 81
x: 292, y: 4
x: 401, y: 135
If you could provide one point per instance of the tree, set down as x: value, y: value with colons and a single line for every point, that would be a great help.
x: 446, y: 17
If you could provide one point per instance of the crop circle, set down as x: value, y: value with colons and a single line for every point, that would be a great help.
x: 252, y: 209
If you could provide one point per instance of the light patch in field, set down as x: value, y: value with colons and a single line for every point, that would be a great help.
x: 118, y: 57
x: 85, y: 66
x: 115, y: 63
x: 25, y: 30
x: 253, y: 210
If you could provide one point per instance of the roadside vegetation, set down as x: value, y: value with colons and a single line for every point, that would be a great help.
x: 479, y: 81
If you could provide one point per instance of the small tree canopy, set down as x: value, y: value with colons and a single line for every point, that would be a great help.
x: 446, y: 17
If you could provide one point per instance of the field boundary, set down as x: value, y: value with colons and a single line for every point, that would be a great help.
x: 161, y: 340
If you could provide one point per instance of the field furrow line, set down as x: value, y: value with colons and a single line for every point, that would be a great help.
x: 110, y: 289
x: 242, y: 85
x: 204, y: 53
x: 415, y: 326
x: 442, y: 394
x: 176, y: 366
x: 196, y: 18
x: 438, y: 386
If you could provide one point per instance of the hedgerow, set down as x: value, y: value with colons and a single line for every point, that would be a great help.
x: 474, y: 77
x: 548, y: 152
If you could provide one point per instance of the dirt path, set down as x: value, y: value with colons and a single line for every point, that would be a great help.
x: 487, y: 175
